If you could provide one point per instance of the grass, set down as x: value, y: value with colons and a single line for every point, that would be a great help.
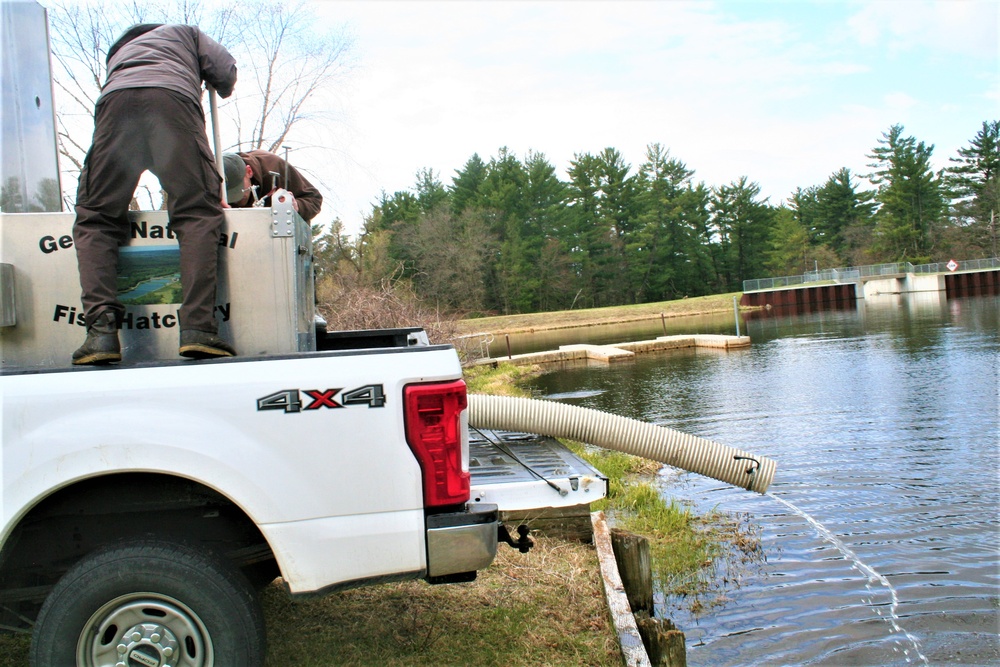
x: 544, y: 607
x: 687, y: 550
x: 500, y: 324
x: 14, y: 650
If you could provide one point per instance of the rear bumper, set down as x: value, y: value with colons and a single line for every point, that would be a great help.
x: 460, y: 542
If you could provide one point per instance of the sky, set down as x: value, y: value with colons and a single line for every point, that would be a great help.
x: 784, y: 93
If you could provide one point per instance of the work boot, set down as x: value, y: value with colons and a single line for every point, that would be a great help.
x: 204, y: 345
x: 102, y: 346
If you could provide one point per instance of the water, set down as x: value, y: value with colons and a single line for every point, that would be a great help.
x: 868, y: 571
x: 147, y: 287
x: 880, y: 530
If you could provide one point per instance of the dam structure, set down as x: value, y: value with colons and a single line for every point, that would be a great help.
x: 954, y: 278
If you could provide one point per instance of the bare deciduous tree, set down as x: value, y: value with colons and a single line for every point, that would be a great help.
x: 449, y: 252
x: 285, y: 54
x: 288, y: 62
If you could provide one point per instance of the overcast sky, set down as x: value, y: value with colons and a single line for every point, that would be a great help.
x: 785, y: 93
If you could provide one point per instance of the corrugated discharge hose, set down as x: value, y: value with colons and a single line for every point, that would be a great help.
x: 603, y: 429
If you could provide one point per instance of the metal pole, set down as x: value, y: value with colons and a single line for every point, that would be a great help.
x: 993, y: 228
x: 213, y: 105
x: 736, y: 312
x: 286, y: 167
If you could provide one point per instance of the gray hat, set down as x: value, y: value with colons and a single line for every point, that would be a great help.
x: 235, y: 169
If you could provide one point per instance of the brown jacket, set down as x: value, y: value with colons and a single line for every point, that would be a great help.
x: 263, y: 163
x: 176, y: 57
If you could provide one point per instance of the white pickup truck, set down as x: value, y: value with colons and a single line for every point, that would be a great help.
x: 143, y: 504
x: 142, y: 501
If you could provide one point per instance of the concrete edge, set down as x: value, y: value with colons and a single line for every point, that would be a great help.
x: 629, y: 639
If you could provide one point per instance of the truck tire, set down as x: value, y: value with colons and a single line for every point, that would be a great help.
x: 150, y: 602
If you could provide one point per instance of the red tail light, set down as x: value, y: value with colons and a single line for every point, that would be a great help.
x: 433, y: 415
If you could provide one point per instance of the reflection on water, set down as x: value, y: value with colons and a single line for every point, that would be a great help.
x: 574, y: 394
x: 884, y: 421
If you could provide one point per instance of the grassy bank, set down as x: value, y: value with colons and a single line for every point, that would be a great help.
x: 500, y: 324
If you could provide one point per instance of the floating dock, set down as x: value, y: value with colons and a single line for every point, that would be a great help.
x: 621, y: 351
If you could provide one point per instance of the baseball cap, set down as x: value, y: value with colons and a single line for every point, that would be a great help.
x: 235, y: 168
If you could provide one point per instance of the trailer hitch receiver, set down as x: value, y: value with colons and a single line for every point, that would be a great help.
x: 523, y: 542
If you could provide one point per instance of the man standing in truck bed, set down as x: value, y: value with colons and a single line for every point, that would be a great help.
x: 149, y: 116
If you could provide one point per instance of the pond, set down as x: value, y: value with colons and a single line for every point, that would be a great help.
x: 880, y: 530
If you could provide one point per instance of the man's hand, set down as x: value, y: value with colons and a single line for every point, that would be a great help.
x: 287, y: 193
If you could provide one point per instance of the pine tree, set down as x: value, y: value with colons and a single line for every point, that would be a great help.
x: 789, y: 248
x: 840, y: 207
x: 804, y: 206
x: 974, y: 185
x: 430, y: 192
x: 661, y: 243
x: 546, y: 234
x: 910, y: 198
x: 591, y: 247
x: 741, y: 226
x: 465, y: 185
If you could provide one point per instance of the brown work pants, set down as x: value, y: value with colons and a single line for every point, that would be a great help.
x: 162, y: 131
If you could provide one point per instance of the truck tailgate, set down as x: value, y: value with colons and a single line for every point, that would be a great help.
x: 523, y: 471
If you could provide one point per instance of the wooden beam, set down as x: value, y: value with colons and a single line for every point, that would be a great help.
x: 633, y: 650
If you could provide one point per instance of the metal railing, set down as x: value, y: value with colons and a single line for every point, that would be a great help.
x: 855, y: 274
x: 966, y: 265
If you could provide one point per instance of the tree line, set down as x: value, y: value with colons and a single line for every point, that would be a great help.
x: 509, y: 235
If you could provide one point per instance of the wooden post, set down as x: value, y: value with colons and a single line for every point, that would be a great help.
x: 663, y: 641
x: 635, y: 567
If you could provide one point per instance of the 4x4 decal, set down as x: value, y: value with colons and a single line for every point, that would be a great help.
x: 290, y: 400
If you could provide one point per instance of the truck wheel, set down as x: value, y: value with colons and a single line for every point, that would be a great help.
x: 150, y: 603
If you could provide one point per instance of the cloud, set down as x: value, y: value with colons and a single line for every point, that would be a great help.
x: 962, y: 27
x: 899, y: 102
